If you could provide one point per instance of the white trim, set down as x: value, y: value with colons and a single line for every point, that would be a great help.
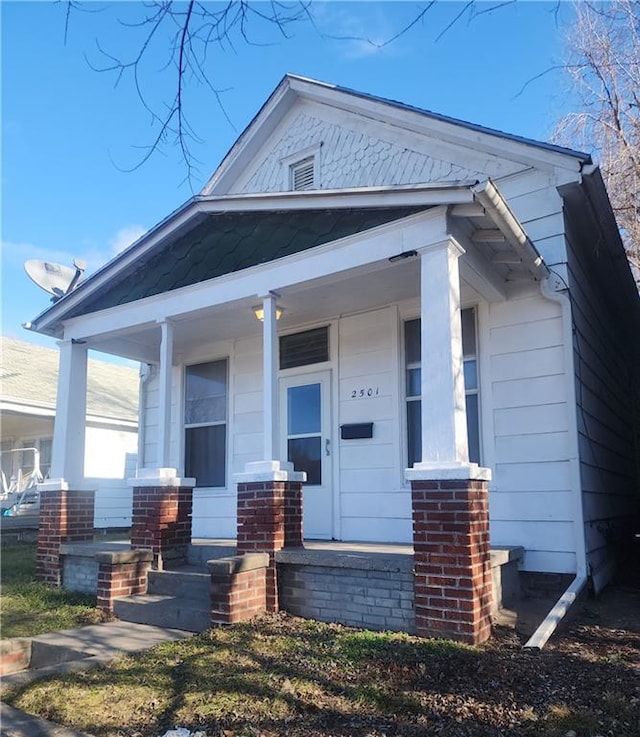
x: 288, y: 162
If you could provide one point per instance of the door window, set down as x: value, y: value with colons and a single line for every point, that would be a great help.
x: 304, y: 430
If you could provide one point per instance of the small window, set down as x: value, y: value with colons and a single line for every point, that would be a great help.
x: 205, y: 421
x: 413, y: 370
x: 302, y: 174
x: 302, y: 349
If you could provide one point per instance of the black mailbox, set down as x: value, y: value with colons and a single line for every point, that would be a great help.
x: 356, y: 430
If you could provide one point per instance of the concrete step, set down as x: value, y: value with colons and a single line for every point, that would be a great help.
x: 188, y: 583
x: 161, y: 610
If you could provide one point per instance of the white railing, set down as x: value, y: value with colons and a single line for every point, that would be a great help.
x: 19, y: 493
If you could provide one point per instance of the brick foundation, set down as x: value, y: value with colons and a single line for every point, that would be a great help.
x: 121, y: 574
x: 452, y: 577
x: 161, y: 522
x: 269, y: 519
x: 65, y: 516
x: 238, y: 587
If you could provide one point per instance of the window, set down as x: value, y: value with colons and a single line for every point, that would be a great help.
x: 302, y: 174
x: 412, y: 351
x: 205, y: 421
x: 303, y: 349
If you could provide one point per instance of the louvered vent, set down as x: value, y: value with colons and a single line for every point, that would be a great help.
x: 302, y: 174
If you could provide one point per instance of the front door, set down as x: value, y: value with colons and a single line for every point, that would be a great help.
x: 306, y: 442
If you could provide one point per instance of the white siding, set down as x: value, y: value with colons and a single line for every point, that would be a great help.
x: 530, y: 497
x: 375, y: 503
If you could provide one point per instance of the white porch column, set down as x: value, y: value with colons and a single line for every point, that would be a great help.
x: 270, y: 379
x: 164, y: 393
x: 67, y: 454
x: 444, y: 419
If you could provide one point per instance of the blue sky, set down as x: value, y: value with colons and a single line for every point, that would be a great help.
x: 69, y: 133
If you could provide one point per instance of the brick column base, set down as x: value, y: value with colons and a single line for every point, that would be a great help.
x: 65, y: 516
x: 238, y: 587
x: 121, y: 573
x: 161, y: 522
x: 452, y: 574
x: 269, y: 519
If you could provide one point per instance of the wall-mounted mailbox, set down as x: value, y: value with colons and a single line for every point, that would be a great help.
x: 356, y: 430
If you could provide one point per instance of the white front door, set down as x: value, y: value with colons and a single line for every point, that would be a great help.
x: 305, y: 416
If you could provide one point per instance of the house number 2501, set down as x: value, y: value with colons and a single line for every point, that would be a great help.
x: 371, y: 391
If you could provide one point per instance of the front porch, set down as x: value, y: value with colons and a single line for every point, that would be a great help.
x: 352, y: 583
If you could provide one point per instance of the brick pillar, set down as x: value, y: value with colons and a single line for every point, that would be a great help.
x: 269, y: 519
x: 452, y: 575
x: 65, y: 516
x: 161, y: 522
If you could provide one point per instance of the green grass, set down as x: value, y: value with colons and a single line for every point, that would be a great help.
x: 31, y: 608
x: 280, y: 675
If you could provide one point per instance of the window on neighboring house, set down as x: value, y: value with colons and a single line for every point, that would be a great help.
x: 413, y: 354
x: 205, y: 422
x: 303, y: 349
x: 302, y: 174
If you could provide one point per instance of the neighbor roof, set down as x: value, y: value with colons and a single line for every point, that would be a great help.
x: 29, y: 376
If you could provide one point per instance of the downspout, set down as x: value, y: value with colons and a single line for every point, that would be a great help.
x: 555, y: 289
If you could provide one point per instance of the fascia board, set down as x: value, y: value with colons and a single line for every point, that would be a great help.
x: 27, y: 408
x: 459, y: 133
x: 112, y: 423
x: 361, y: 197
x: 355, y: 250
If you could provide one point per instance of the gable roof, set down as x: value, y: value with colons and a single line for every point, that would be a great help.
x: 293, y: 87
x: 225, y: 242
x: 29, y: 377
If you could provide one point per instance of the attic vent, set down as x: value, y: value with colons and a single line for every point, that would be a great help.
x: 302, y: 174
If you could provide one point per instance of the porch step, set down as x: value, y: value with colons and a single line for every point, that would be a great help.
x: 190, y: 582
x: 162, y: 610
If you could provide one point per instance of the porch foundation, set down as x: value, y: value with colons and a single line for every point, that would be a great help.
x: 452, y: 559
x: 161, y: 522
x: 66, y: 515
x: 269, y: 519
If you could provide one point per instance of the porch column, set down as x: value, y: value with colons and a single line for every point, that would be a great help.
x: 66, y: 508
x: 162, y: 501
x: 452, y: 581
x: 269, y: 491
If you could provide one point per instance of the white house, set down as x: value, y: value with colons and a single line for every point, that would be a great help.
x: 29, y: 380
x: 436, y: 300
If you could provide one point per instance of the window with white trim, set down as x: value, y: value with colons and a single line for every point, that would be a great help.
x: 302, y: 174
x: 413, y: 357
x: 205, y: 423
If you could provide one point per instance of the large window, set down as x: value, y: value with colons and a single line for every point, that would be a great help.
x: 413, y: 357
x: 205, y: 421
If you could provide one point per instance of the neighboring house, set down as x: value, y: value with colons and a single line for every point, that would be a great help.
x: 29, y: 382
x: 453, y: 302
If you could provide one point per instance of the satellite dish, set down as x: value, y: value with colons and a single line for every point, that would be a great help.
x: 56, y: 279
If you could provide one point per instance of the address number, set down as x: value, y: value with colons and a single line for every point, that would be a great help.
x: 370, y: 391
